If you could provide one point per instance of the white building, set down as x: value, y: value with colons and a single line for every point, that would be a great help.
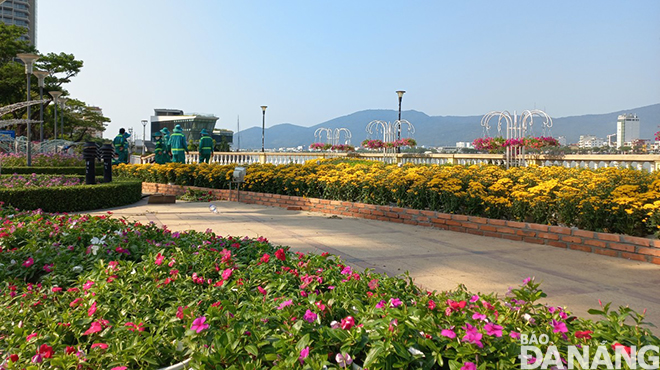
x: 464, y: 144
x: 590, y: 141
x: 627, y: 129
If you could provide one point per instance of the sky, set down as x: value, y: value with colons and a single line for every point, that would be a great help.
x: 312, y: 61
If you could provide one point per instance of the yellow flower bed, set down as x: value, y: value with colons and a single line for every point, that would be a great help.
x: 611, y: 200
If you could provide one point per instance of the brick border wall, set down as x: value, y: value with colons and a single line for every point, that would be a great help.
x: 613, y: 245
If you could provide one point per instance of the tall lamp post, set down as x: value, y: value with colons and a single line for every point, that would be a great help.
x: 56, y: 100
x: 263, y: 126
x: 63, y: 102
x: 28, y: 60
x: 398, y: 134
x: 41, y: 76
x: 144, y: 137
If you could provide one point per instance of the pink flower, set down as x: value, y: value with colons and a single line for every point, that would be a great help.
x: 310, y: 316
x: 347, y: 323
x: 472, y: 335
x: 449, y: 333
x: 373, y: 284
x: 380, y: 304
x: 618, y: 347
x: 479, y: 316
x: 474, y: 299
x: 262, y: 290
x: 493, y: 329
x: 514, y: 334
x: 28, y: 262
x: 119, y: 368
x: 92, y: 309
x: 100, y: 345
x: 304, y: 353
x: 227, y: 274
x: 88, y: 285
x: 395, y: 302
x: 265, y: 258
x: 33, y: 335
x: 527, y: 280
x: 285, y: 303
x: 56, y: 289
x: 94, y: 328
x: 75, y: 302
x: 159, y: 259
x: 432, y: 305
x: 280, y: 254
x: 346, y: 270
x: 343, y: 360
x: 558, y: 326
x: 469, y: 366
x: 198, y: 324
x: 49, y: 267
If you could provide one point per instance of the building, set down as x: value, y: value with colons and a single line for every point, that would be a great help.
x: 192, y: 124
x: 590, y: 141
x: 627, y: 129
x: 21, y: 13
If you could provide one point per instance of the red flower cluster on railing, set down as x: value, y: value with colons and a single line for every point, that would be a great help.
x: 494, y: 144
x: 379, y: 144
x: 338, y: 148
x: 657, y: 136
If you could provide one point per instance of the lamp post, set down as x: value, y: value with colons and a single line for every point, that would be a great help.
x: 63, y: 102
x: 41, y: 76
x: 144, y: 137
x: 263, y: 126
x: 56, y: 96
x: 28, y: 60
x: 398, y: 134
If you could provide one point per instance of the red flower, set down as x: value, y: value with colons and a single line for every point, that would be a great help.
x: 583, y: 334
x: 70, y: 350
x: 100, y: 345
x: 620, y: 347
x: 347, y: 323
x: 432, y: 304
x: 45, y: 350
x: 13, y: 357
x: 265, y: 258
x: 280, y: 254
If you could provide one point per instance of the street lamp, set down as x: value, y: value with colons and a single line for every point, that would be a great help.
x: 263, y: 126
x: 398, y: 134
x: 144, y: 133
x: 56, y: 96
x: 28, y: 60
x: 63, y: 105
x: 41, y: 76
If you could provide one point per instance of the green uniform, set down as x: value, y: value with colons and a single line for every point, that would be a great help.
x: 166, y: 142
x: 178, y: 145
x: 121, y: 148
x: 205, y: 148
x: 161, y: 156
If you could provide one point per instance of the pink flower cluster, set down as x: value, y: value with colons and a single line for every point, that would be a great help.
x: 379, y: 144
x: 493, y: 144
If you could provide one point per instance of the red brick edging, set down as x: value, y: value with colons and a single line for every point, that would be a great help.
x: 614, y: 245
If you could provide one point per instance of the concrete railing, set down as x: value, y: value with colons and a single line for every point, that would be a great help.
x: 648, y: 162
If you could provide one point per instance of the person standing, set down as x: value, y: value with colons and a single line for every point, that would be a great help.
x: 161, y: 156
x: 205, y: 147
x: 121, y: 146
x: 178, y: 145
x: 166, y: 141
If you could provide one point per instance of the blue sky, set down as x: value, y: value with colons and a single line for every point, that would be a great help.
x: 311, y: 61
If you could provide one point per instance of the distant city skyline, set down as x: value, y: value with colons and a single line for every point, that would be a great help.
x: 310, y: 62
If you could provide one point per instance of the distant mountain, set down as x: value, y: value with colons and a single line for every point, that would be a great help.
x: 445, y: 130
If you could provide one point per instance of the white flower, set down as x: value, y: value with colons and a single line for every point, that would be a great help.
x: 13, y: 262
x: 343, y: 360
x: 133, y: 272
x: 77, y: 269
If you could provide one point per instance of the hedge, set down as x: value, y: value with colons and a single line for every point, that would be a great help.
x: 74, y: 198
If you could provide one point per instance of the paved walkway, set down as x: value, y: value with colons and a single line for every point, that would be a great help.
x: 436, y: 259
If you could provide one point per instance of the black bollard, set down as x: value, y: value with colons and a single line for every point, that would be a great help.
x: 89, y: 155
x: 106, y: 153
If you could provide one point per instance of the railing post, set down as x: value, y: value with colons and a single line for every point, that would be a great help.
x: 262, y: 158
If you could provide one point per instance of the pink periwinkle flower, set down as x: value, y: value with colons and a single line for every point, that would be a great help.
x: 227, y: 274
x: 285, y: 303
x: 514, y: 334
x: 373, y: 284
x: 474, y: 298
x: 449, y: 333
x: 479, y: 316
x: 343, y: 360
x: 395, y: 302
x: 310, y: 316
x: 469, y: 366
x: 380, y: 304
x: 346, y: 270
x: 199, y: 324
x: 159, y: 259
x: 304, y: 353
x: 100, y: 345
x: 28, y: 262
x: 472, y: 335
x: 262, y: 290
x: 493, y: 329
x: 88, y: 285
x: 558, y: 326
x: 347, y: 323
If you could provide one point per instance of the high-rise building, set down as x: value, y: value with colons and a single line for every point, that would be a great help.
x: 21, y: 13
x: 627, y: 129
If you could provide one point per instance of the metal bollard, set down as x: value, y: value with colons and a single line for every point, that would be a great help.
x: 89, y: 155
x: 106, y: 153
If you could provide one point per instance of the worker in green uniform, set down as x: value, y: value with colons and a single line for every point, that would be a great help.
x: 166, y: 140
x: 120, y: 143
x: 205, y: 146
x: 178, y: 145
x: 161, y: 156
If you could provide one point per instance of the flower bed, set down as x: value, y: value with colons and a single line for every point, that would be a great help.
x: 610, y: 200
x: 42, y: 160
x: 35, y: 181
x: 99, y: 293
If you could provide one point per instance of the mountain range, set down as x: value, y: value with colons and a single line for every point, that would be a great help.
x: 444, y: 130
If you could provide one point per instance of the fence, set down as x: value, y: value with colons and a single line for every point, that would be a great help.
x: 648, y: 162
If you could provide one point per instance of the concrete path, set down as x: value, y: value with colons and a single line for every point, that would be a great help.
x: 436, y: 259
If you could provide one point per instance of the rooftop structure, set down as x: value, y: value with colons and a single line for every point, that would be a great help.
x: 21, y: 13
